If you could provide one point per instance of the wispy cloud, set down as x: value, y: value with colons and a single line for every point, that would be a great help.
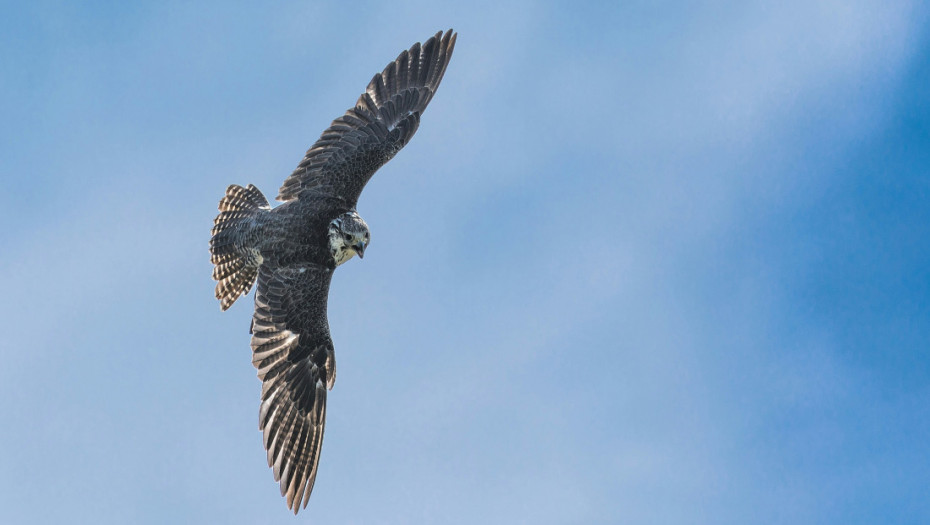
x: 588, y: 296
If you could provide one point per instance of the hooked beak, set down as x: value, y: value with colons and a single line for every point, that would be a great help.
x: 360, y: 250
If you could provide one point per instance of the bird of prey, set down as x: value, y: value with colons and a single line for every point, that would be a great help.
x: 293, y: 249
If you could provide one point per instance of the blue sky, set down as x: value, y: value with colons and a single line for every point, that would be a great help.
x: 645, y: 263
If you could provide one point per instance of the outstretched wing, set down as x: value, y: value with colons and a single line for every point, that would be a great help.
x: 383, y: 120
x: 293, y: 353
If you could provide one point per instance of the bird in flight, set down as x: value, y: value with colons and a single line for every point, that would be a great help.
x: 293, y: 249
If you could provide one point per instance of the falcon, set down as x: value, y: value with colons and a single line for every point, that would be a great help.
x: 293, y: 249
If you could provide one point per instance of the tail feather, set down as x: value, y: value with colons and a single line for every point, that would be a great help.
x: 235, y: 258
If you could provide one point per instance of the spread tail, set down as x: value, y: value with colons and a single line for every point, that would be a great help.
x: 233, y: 248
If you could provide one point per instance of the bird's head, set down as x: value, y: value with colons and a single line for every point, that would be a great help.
x: 348, y: 236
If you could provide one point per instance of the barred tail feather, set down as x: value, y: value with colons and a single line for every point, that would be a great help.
x: 235, y: 258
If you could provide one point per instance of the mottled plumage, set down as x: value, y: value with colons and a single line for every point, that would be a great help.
x: 293, y: 249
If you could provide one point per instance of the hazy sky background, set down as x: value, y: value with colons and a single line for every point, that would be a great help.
x: 656, y: 262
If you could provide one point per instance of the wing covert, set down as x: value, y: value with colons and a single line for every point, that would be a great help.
x: 293, y: 352
x: 384, y: 119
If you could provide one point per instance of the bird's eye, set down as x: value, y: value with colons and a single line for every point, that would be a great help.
x: 348, y: 237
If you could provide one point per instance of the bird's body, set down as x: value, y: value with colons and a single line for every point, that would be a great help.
x: 292, y: 250
x: 295, y: 232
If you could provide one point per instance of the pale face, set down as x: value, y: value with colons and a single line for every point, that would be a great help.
x: 348, y: 236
